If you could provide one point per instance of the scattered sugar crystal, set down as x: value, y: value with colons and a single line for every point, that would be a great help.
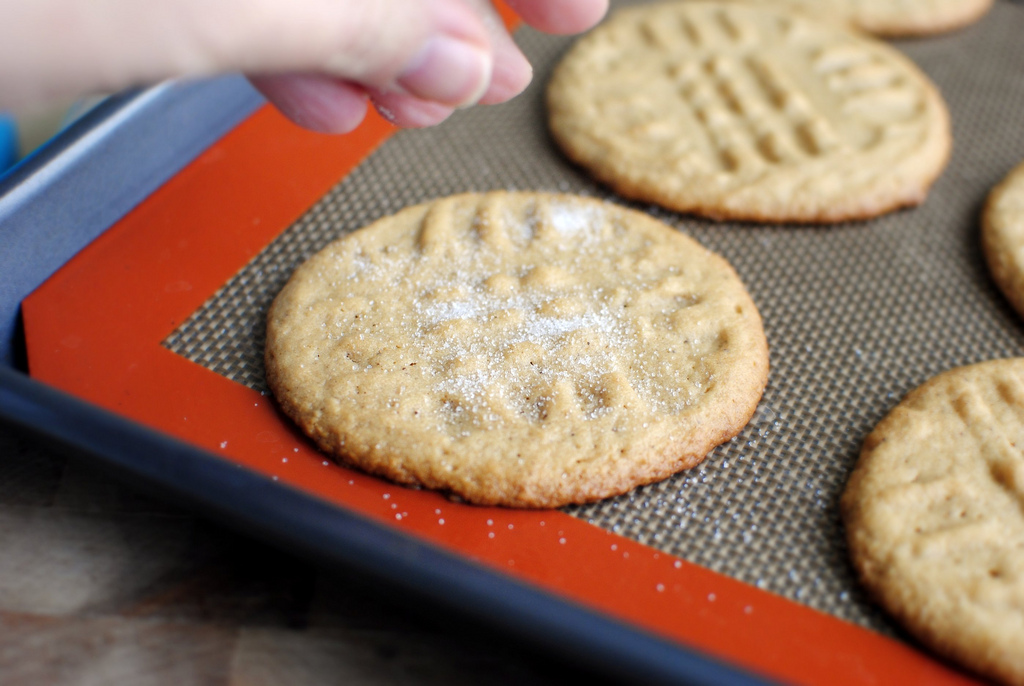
x: 570, y: 219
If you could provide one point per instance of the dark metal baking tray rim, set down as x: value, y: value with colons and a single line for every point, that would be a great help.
x: 111, y: 160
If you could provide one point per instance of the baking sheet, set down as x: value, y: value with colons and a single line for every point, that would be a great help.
x: 856, y: 314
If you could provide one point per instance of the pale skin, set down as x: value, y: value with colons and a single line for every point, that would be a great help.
x: 321, y: 62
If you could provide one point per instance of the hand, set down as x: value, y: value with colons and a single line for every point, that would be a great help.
x: 319, y: 61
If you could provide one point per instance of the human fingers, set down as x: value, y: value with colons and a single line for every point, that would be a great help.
x: 408, y: 111
x: 314, y: 101
x: 331, y: 106
x: 511, y: 72
x: 436, y: 50
x: 560, y: 16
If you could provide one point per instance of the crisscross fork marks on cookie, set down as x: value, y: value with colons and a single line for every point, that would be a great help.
x: 750, y: 109
x: 867, y: 86
x: 714, y: 30
x: 812, y: 129
x: 544, y: 306
x: 721, y: 123
x: 753, y: 114
x: 994, y: 434
x: 942, y: 513
x: 947, y: 500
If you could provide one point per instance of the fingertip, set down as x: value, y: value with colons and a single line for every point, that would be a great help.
x: 409, y: 112
x: 448, y: 71
x: 512, y: 74
x: 315, y: 102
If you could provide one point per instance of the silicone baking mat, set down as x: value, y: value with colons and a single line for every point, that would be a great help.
x: 856, y: 315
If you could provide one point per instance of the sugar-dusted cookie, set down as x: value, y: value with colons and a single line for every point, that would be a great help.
x: 934, y: 514
x: 894, y: 17
x: 519, y: 349
x: 748, y: 112
x: 1002, y: 236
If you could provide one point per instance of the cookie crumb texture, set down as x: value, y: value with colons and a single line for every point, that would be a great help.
x: 934, y: 516
x: 519, y: 349
x: 747, y: 112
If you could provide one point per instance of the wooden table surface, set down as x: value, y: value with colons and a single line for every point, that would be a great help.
x: 101, y: 584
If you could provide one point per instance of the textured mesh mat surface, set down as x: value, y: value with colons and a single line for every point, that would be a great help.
x: 856, y: 315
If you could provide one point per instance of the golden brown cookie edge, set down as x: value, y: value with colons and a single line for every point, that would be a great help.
x: 1007, y: 275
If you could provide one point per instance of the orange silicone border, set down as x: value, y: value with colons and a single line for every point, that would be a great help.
x: 94, y: 329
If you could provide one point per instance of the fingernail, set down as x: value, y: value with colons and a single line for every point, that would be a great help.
x: 448, y: 71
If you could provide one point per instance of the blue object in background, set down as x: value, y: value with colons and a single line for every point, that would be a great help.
x: 8, y: 142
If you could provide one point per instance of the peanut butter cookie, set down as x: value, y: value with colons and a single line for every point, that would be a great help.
x: 934, y: 517
x: 519, y: 349
x: 748, y: 112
